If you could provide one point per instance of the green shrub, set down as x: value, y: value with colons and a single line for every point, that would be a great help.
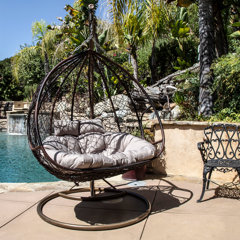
x: 10, y: 89
x: 226, y: 86
x: 233, y: 45
x: 186, y: 96
x: 226, y: 115
x: 119, y: 58
x: 144, y: 71
x: 225, y: 90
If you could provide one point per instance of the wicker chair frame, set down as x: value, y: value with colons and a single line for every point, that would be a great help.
x: 80, y: 87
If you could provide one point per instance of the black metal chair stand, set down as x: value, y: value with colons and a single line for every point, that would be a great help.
x: 220, y: 151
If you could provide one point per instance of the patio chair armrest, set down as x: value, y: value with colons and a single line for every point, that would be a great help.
x: 202, y: 150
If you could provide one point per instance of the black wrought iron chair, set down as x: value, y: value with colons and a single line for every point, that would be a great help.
x: 220, y: 151
x: 88, y: 85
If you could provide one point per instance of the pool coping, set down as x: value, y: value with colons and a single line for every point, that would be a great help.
x: 64, y: 185
x: 54, y: 186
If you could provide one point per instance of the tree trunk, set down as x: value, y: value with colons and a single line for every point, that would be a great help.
x: 167, y: 79
x: 93, y: 31
x: 219, y: 31
x: 46, y: 63
x: 153, y: 64
x: 207, y: 54
x: 47, y: 70
x: 134, y: 63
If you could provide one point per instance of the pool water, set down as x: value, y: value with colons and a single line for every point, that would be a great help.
x: 17, y: 163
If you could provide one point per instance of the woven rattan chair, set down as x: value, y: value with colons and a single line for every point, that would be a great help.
x: 88, y: 89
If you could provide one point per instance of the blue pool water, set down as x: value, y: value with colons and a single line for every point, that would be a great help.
x: 17, y: 163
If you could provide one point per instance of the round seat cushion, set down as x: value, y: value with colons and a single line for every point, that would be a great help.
x: 94, y: 150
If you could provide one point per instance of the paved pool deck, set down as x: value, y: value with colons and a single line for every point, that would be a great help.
x: 175, y: 213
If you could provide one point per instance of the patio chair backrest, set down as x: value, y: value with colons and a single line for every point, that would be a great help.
x: 222, y: 141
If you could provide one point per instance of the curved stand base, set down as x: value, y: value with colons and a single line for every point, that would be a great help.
x: 116, y: 194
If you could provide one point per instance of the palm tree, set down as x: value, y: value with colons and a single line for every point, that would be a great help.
x: 156, y: 15
x: 39, y: 29
x: 46, y: 40
x: 117, y: 9
x: 133, y: 32
x: 219, y: 30
x: 207, y: 55
x: 128, y: 21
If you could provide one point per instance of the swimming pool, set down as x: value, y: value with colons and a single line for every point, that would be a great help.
x: 17, y: 163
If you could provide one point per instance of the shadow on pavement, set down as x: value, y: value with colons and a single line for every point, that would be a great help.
x: 163, y: 197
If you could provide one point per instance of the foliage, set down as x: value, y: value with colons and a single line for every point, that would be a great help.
x: 182, y: 3
x: 144, y: 53
x: 236, y: 34
x: 230, y: 13
x: 233, y: 45
x: 181, y: 32
x: 152, y: 30
x: 226, y: 87
x: 120, y: 57
x: 133, y: 26
x: 226, y: 115
x: 179, y: 25
x: 133, y: 33
x: 167, y: 54
x: 193, y: 19
x: 39, y: 29
x: 75, y: 24
x: 144, y: 61
x: 226, y: 90
x: 29, y: 91
x: 75, y: 28
x: 148, y: 135
x: 117, y: 9
x: 157, y: 22
x: 28, y: 68
x: 157, y: 18
x: 51, y: 46
x: 186, y: 96
x: 10, y: 89
x: 47, y: 41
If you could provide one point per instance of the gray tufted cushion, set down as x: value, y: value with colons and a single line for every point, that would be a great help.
x: 94, y: 150
x: 56, y: 143
x: 62, y: 127
x: 94, y: 125
x: 85, y: 144
x: 91, y: 143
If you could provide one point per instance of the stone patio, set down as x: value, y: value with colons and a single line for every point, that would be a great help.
x: 175, y: 213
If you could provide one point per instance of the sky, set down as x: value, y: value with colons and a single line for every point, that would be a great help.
x: 17, y: 17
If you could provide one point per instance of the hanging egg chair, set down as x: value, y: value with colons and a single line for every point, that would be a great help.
x: 85, y: 124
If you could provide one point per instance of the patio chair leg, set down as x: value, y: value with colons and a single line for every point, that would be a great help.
x: 238, y: 171
x: 205, y: 172
x: 209, y: 177
x: 92, y: 188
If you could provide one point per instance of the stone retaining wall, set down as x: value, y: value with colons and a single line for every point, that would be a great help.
x: 3, y: 125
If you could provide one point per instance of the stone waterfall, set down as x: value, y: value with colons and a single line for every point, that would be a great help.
x: 17, y: 123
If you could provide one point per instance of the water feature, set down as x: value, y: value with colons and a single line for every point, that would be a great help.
x: 16, y: 123
x: 17, y: 163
